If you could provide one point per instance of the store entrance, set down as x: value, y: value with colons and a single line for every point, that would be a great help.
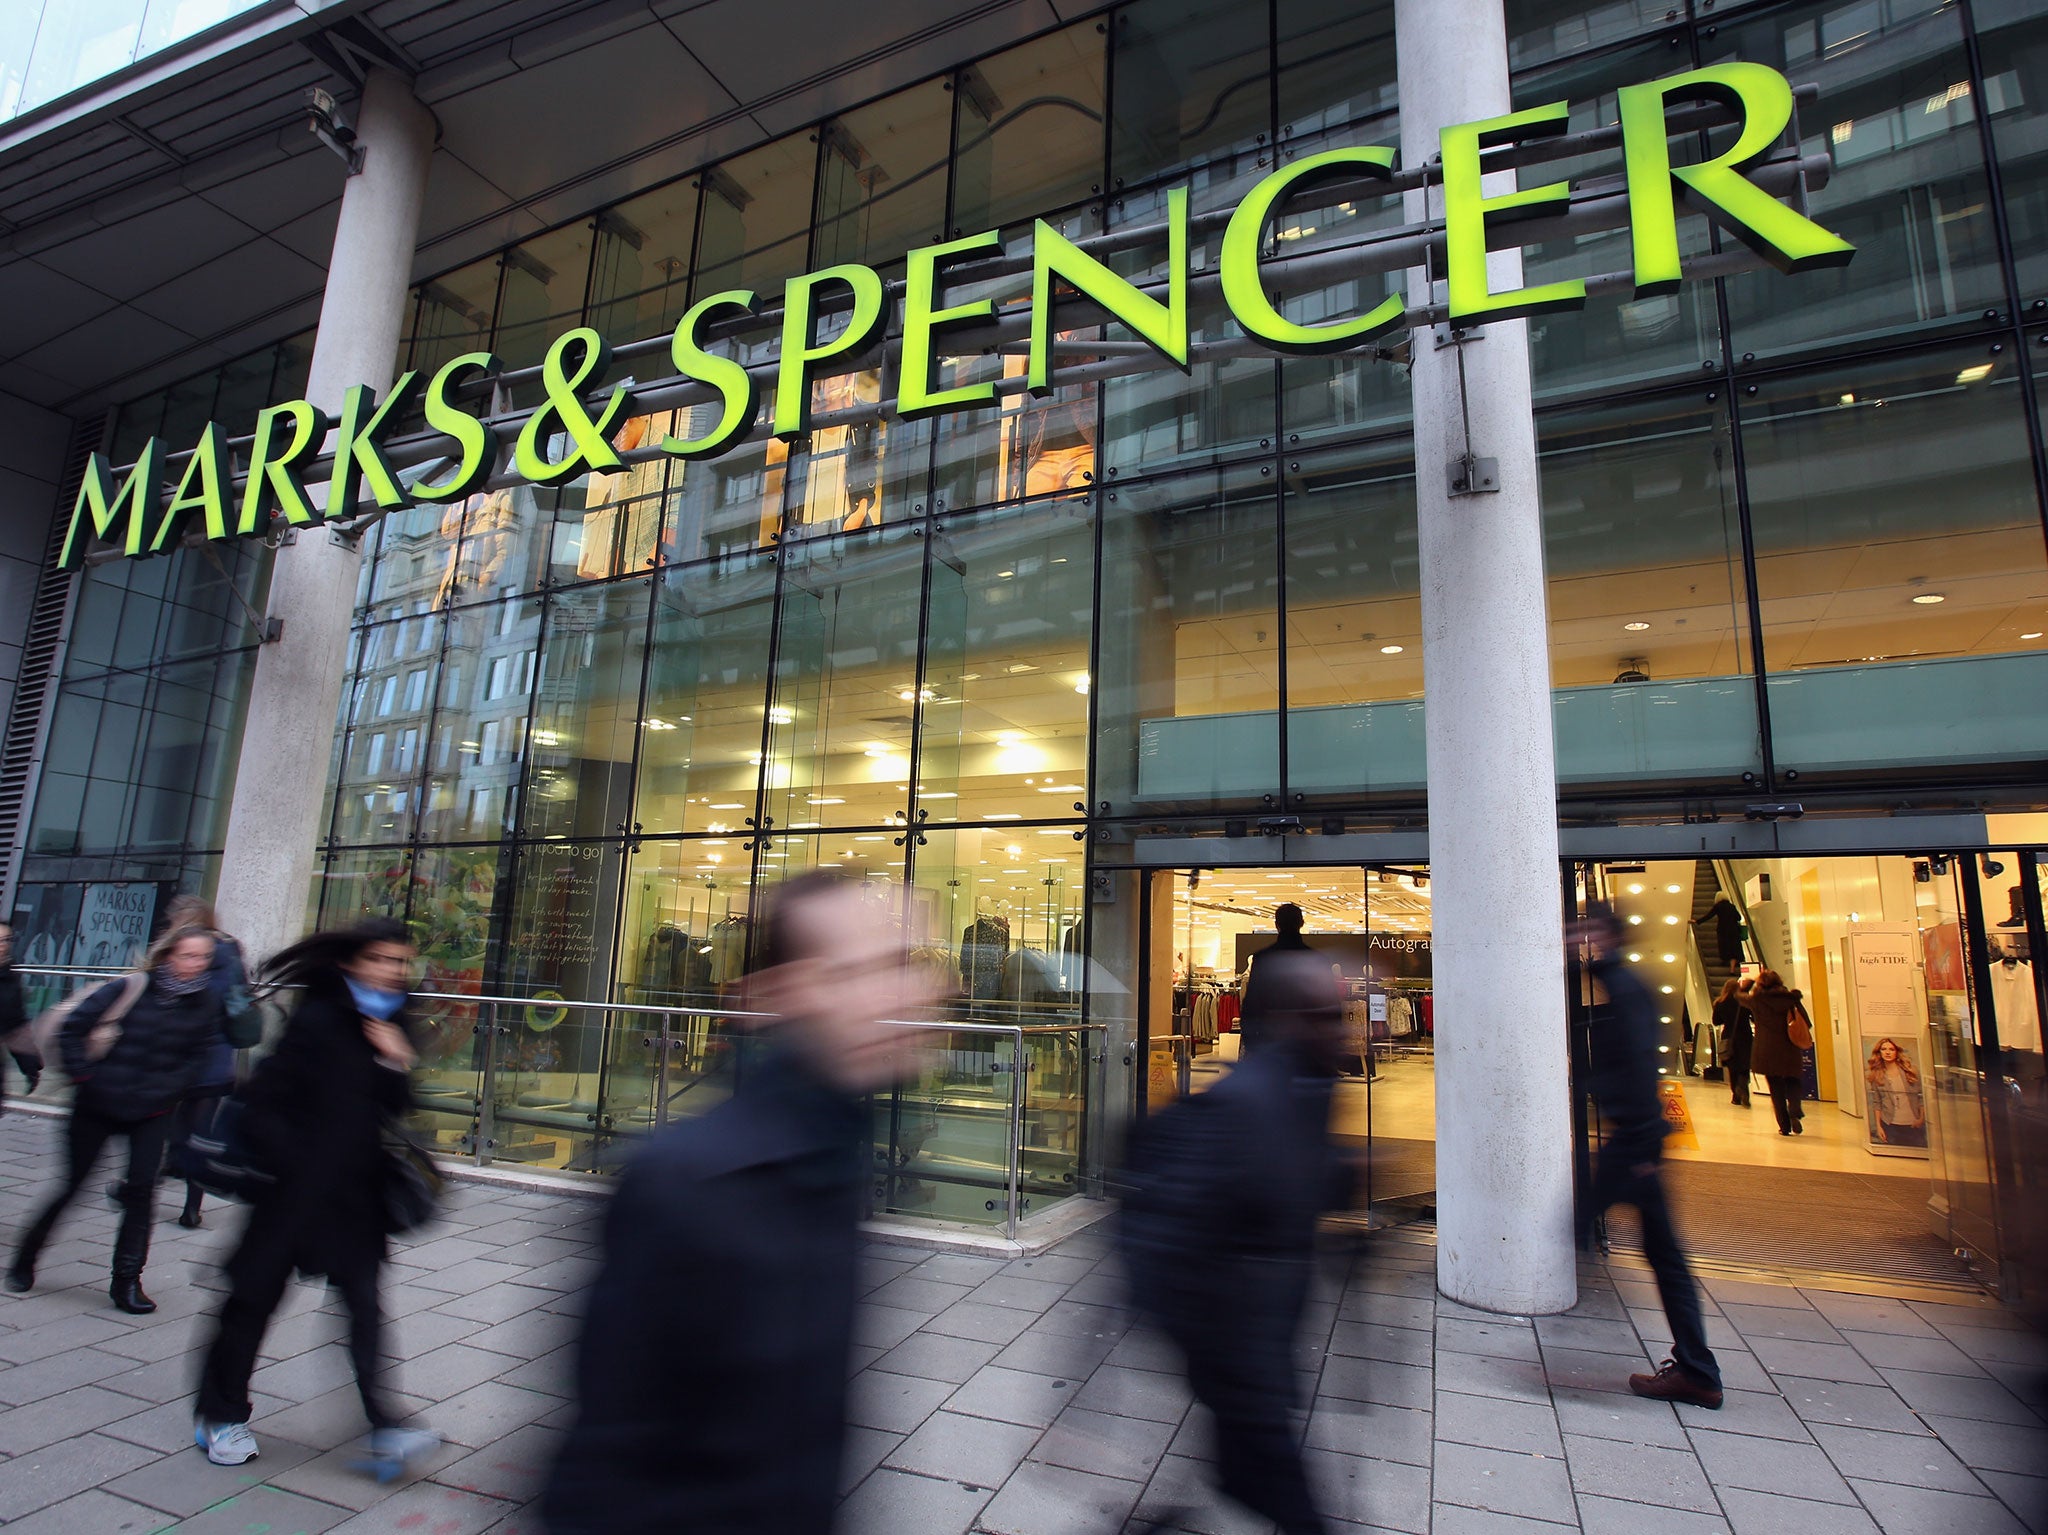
x: 1373, y: 925
x: 1886, y: 1165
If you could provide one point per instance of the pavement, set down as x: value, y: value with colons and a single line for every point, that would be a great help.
x: 1016, y: 1397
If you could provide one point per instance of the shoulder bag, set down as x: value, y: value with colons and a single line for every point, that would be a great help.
x: 1799, y: 1027
x: 106, y: 1031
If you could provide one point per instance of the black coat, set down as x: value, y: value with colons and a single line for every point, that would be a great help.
x: 162, y: 1049
x: 13, y: 1015
x: 1775, y: 1055
x: 315, y: 1114
x: 1226, y: 1190
x: 1622, y: 1045
x: 712, y: 1373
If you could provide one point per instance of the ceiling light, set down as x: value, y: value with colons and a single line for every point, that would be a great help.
x: 2033, y: 635
x: 1635, y: 959
x: 1663, y: 1049
x: 1975, y: 374
x: 654, y: 724
x: 1081, y: 687
x: 1671, y: 890
x: 1671, y: 959
x: 1005, y: 574
x: 1929, y: 599
x: 1635, y: 889
x: 1667, y: 990
x: 733, y: 806
x: 819, y: 799
x: 1391, y: 650
x: 1635, y: 921
x: 1637, y: 627
x: 1020, y: 668
x: 1671, y: 922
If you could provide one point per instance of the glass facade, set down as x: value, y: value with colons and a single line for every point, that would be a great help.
x: 51, y: 47
x: 1785, y: 518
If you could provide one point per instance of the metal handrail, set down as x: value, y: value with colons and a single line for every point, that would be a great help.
x: 486, y: 1110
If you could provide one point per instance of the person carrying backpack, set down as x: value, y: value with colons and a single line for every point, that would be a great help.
x: 131, y: 1049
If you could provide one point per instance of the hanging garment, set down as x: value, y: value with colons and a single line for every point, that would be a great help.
x: 983, y: 948
x: 2013, y: 1001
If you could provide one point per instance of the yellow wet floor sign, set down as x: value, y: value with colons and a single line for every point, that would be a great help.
x: 1678, y: 1129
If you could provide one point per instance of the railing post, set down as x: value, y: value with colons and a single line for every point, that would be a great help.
x: 1016, y: 1130
x: 486, y: 1084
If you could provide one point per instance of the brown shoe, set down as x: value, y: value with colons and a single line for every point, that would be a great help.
x: 1672, y: 1384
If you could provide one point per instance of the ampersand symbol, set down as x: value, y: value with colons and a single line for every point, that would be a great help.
x: 590, y: 441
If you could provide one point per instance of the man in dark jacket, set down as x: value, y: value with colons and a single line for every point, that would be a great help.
x: 1288, y: 920
x: 14, y: 1018
x: 1623, y: 1051
x: 1219, y: 1224
x: 712, y: 1376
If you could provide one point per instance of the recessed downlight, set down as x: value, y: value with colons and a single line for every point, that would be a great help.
x: 1392, y: 650
x: 1636, y: 627
x: 1929, y: 599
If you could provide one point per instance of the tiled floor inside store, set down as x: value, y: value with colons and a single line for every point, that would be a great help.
x: 1015, y: 1397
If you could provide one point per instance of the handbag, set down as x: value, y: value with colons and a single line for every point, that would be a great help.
x: 1799, y: 1027
x: 412, y: 1184
x: 218, y: 1159
x: 244, y: 1027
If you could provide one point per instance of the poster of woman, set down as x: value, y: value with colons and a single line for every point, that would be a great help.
x: 1898, y: 1105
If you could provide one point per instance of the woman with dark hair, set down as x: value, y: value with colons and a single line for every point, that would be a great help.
x: 314, y: 1119
x: 229, y: 980
x: 1772, y: 1003
x: 1738, y: 1039
x: 161, y: 1020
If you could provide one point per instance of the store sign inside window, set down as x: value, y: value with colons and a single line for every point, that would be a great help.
x: 567, y: 436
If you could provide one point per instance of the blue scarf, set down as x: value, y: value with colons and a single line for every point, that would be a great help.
x: 374, y: 1003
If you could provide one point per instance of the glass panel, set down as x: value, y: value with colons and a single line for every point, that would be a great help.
x: 564, y: 907
x: 1023, y: 445
x: 756, y: 218
x: 640, y: 274
x: 1030, y: 130
x: 1539, y: 30
x: 79, y: 41
x: 1956, y: 1066
x: 686, y: 930
x: 544, y: 286
x: 1897, y: 118
x: 1649, y: 612
x: 479, y: 743
x: 732, y: 504
x: 1336, y: 64
x: 1899, y: 559
x: 2013, y: 42
x: 506, y: 542
x: 1616, y: 339
x: 1005, y: 734
x: 1188, y: 695
x: 845, y: 681
x: 870, y: 469
x: 387, y: 706
x: 611, y: 523
x: 364, y: 883
x: 1354, y: 624
x: 454, y: 316
x: 586, y: 711
x: 1192, y: 85
x: 883, y: 188
x: 455, y: 898
x: 707, y: 684
x: 416, y: 565
x: 1162, y: 418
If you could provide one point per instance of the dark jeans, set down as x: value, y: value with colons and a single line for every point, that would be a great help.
x: 258, y: 1273
x: 1738, y: 1069
x: 1630, y: 1178
x: 1241, y: 1366
x: 1785, y: 1101
x: 85, y: 1135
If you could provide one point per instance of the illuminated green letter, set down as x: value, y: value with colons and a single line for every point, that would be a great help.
x: 271, y: 480
x: 1245, y: 292
x: 101, y: 506
x: 476, y: 453
x: 358, y: 455
x: 739, y: 394
x: 800, y: 348
x: 203, y: 488
x: 1165, y: 325
x: 914, y: 393
x: 1762, y: 100
x: 1466, y: 210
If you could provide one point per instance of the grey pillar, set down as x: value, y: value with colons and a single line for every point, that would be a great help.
x: 280, y: 802
x: 1504, y: 1165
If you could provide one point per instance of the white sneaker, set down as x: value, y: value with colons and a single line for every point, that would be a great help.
x: 226, y: 1444
x: 390, y: 1451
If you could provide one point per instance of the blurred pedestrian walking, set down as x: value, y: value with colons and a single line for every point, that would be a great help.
x: 14, y: 1033
x: 131, y: 1049
x: 1219, y: 1222
x: 1623, y: 1051
x: 711, y: 1382
x: 240, y: 1028
x: 314, y: 1117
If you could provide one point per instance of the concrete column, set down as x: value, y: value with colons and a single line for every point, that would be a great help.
x: 280, y: 804
x: 1504, y: 1165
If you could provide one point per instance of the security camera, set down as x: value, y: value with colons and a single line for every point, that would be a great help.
x: 1991, y: 866
x: 1774, y: 810
x: 325, y: 122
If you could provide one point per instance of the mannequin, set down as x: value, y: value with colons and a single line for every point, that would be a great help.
x: 983, y: 948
